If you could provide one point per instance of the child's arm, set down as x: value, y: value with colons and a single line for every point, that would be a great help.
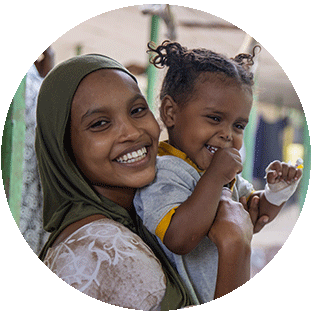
x: 193, y: 218
x: 282, y: 181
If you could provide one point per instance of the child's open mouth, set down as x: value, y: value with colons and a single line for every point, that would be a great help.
x: 211, y: 149
x: 133, y: 156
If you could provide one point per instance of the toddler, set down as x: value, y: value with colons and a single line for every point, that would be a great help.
x: 206, y: 100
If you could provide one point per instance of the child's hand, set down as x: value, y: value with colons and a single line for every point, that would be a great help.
x: 278, y: 171
x: 282, y: 181
x: 227, y: 163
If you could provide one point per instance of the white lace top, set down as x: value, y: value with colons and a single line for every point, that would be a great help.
x: 107, y: 261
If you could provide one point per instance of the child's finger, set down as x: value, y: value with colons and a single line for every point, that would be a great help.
x: 285, y: 168
x: 298, y: 174
x: 277, y: 166
x: 271, y: 176
x: 291, y: 174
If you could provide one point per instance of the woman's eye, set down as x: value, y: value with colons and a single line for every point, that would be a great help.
x: 98, y: 124
x: 138, y: 110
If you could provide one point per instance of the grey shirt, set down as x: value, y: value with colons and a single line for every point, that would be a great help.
x: 174, y: 182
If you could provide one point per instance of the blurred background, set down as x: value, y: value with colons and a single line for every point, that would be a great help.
x: 277, y: 128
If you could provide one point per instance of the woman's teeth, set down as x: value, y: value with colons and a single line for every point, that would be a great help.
x: 133, y: 157
x: 212, y: 149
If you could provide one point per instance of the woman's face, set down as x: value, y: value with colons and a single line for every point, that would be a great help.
x: 114, y: 135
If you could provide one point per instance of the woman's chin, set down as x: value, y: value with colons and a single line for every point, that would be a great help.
x: 143, y: 180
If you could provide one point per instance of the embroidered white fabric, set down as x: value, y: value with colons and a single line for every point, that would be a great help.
x: 107, y: 261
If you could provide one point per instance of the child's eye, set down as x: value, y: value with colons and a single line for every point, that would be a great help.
x: 240, y: 126
x: 214, y: 118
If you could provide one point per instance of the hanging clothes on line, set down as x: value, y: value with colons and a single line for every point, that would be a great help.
x: 268, y: 145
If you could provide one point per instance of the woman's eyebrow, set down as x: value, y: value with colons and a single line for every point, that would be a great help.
x: 134, y: 98
x: 91, y: 112
x: 103, y: 110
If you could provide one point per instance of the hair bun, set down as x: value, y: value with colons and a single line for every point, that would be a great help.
x: 246, y: 60
x: 167, y: 54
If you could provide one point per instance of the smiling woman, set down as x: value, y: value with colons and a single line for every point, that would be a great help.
x: 113, y: 133
x: 96, y: 143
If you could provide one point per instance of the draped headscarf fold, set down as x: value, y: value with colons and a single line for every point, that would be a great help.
x: 67, y: 196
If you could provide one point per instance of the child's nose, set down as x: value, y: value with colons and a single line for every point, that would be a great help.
x: 226, y: 138
x: 226, y: 134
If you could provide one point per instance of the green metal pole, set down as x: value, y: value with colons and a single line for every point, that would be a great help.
x: 151, y: 70
x: 250, y: 131
x: 250, y: 136
x: 12, y: 151
x: 249, y: 143
x: 307, y: 165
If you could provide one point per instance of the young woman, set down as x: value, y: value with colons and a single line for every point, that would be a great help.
x: 96, y: 144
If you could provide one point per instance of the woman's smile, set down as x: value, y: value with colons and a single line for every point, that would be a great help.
x: 132, y: 157
x: 137, y: 159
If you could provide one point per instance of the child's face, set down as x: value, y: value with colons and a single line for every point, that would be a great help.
x: 214, y: 118
x: 114, y: 135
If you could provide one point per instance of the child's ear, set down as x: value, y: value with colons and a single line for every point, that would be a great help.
x: 168, y: 110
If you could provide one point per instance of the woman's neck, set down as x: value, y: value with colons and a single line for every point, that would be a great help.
x: 121, y: 196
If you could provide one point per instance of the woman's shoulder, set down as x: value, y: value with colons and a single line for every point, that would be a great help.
x: 107, y: 261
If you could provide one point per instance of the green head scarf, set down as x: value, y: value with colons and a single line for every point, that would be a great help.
x: 67, y: 196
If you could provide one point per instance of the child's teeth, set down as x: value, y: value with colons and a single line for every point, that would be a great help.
x: 134, y: 156
x: 212, y: 149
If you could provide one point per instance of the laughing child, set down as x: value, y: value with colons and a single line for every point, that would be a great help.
x: 206, y: 100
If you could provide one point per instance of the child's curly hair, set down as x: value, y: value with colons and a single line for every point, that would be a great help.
x: 185, y: 67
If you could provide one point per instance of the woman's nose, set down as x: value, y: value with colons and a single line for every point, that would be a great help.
x: 128, y: 130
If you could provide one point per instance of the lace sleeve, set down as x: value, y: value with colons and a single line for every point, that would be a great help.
x: 106, y: 261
